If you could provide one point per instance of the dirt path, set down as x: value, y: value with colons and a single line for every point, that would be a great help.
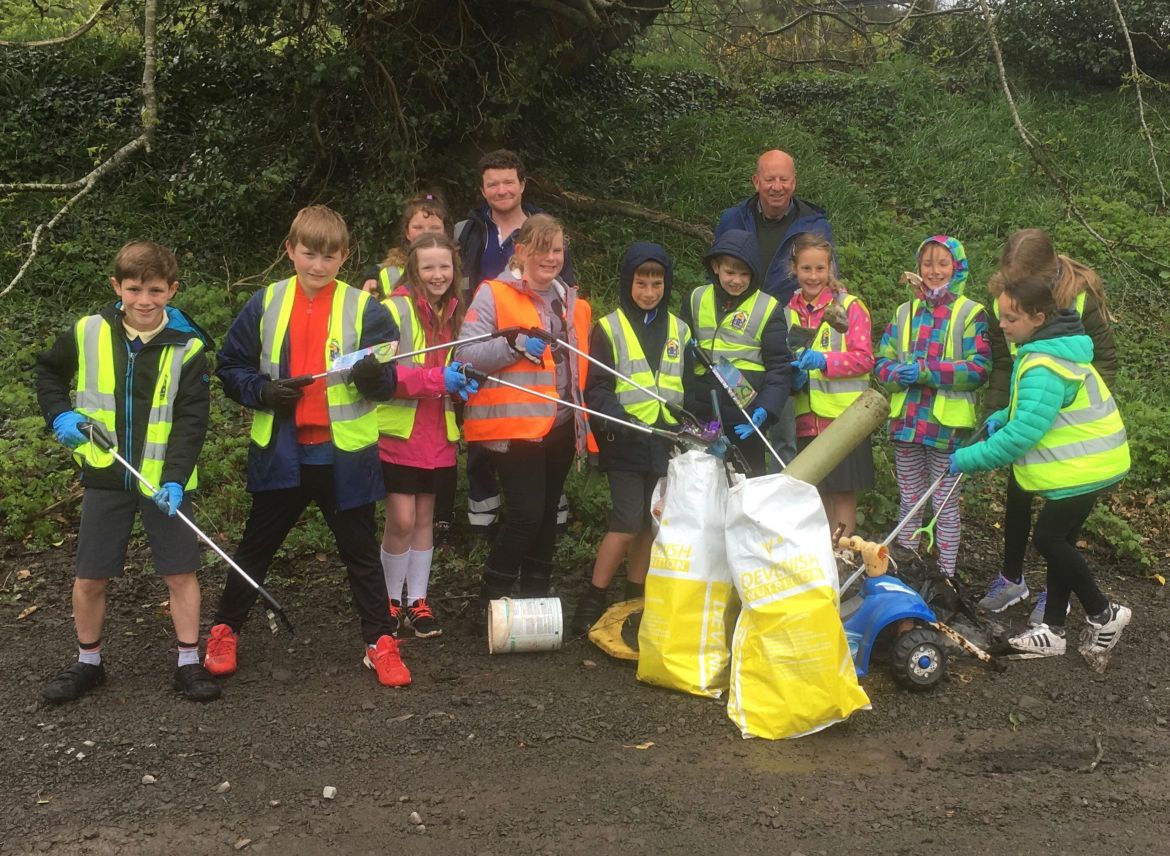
x: 533, y: 754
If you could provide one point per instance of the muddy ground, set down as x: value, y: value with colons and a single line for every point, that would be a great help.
x: 544, y: 753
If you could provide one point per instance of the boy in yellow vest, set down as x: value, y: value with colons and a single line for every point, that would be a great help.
x: 142, y: 375
x: 312, y: 440
x: 643, y: 340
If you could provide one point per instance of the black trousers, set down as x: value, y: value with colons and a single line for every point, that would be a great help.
x: 273, y: 515
x: 1055, y: 537
x: 483, y: 490
x: 445, y: 485
x: 532, y: 476
x: 1017, y: 526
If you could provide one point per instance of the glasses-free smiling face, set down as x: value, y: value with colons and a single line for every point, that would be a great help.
x: 541, y: 266
x: 144, y: 302
x: 813, y: 269
x: 502, y: 189
x: 436, y: 270
x: 1017, y: 324
x: 647, y: 291
x: 734, y: 276
x: 775, y: 181
x: 936, y: 266
x: 315, y: 268
x: 422, y: 223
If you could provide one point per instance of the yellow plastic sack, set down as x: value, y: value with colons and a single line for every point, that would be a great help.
x: 684, y: 639
x: 791, y: 671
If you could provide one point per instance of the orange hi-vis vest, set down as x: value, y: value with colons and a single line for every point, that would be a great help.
x: 499, y: 413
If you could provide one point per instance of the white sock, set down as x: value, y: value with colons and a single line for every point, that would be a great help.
x: 394, y: 570
x: 92, y: 657
x: 417, y: 573
x: 188, y: 655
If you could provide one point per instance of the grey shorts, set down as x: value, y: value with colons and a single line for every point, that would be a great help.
x: 630, y: 494
x: 107, y: 519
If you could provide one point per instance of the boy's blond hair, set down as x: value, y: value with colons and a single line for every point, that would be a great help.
x: 145, y: 260
x: 319, y: 228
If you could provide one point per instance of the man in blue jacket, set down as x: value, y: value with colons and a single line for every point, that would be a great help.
x: 776, y: 217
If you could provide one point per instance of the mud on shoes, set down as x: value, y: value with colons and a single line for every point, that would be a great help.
x: 73, y: 682
x: 1036, y: 642
x: 1100, y: 638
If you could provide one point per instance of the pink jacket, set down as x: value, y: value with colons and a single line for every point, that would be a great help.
x: 428, y: 447
x: 856, y: 361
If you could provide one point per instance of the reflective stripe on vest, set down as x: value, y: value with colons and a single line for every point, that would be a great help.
x: 737, y: 335
x: 389, y: 276
x: 1012, y: 346
x: 951, y: 407
x: 828, y: 397
x: 396, y: 416
x: 95, y: 398
x: 499, y: 413
x: 353, y: 422
x: 630, y: 360
x: 1087, y: 443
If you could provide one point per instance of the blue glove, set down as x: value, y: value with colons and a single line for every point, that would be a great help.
x: 719, y: 448
x: 953, y: 468
x: 992, y: 426
x: 799, y: 377
x: 535, y: 347
x: 758, y: 416
x: 169, y: 498
x: 906, y: 374
x: 67, y: 426
x: 811, y: 360
x: 457, y: 383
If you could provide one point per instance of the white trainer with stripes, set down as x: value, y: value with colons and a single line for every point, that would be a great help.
x: 1098, y: 640
x: 1039, y: 641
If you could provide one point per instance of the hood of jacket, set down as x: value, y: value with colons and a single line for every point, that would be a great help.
x: 1061, y: 336
x: 638, y: 254
x: 958, y: 283
x: 739, y: 244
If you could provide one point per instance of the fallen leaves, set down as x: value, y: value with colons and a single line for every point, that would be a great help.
x: 647, y: 745
x: 26, y: 612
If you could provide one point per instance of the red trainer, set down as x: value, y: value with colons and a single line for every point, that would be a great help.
x: 385, y: 660
x: 220, y: 656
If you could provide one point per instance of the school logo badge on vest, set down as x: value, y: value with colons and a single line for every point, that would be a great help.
x: 825, y: 338
x: 739, y: 321
x: 334, y: 351
x: 672, y: 348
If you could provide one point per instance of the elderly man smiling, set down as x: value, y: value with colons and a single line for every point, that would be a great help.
x: 776, y: 217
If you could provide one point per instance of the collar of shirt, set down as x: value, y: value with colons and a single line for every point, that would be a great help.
x: 144, y: 336
x: 760, y: 210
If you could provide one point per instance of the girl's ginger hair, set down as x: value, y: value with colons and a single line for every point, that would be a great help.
x: 446, y: 312
x: 1030, y: 258
x: 537, y: 235
x: 432, y: 205
x: 813, y: 241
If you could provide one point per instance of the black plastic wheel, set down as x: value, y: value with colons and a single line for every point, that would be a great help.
x: 919, y: 658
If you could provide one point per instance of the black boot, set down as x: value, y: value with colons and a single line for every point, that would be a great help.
x: 535, y: 578
x: 590, y: 607
x: 493, y: 585
x: 634, y: 590
x: 74, y: 682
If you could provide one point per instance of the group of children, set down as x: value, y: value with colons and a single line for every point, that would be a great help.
x: 346, y: 439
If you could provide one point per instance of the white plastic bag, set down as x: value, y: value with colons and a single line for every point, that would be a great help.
x: 791, y: 671
x: 683, y: 641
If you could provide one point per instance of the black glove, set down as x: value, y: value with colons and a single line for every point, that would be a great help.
x: 281, y: 395
x: 369, y: 376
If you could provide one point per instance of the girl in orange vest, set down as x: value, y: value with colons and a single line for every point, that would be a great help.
x: 532, y: 441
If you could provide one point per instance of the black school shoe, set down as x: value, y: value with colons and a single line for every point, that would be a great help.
x: 590, y: 607
x: 74, y: 682
x: 196, y: 683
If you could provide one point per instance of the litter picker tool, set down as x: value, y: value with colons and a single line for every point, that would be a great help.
x: 738, y: 459
x: 928, y: 529
x: 101, y: 438
x: 711, y: 367
x: 678, y: 437
x: 387, y: 352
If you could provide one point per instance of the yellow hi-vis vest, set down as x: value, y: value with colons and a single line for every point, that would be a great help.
x: 1012, y: 346
x: 1086, y: 445
x: 827, y: 397
x: 951, y: 407
x: 95, y: 398
x: 396, y: 416
x: 353, y: 422
x: 630, y: 360
x: 389, y: 276
x: 737, y: 336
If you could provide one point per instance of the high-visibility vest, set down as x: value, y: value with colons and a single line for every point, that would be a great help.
x: 353, y: 421
x: 1086, y: 445
x: 737, y: 335
x: 1012, y: 346
x: 389, y: 276
x: 499, y: 413
x: 630, y: 360
x: 951, y: 407
x: 396, y: 416
x: 825, y: 396
x: 95, y: 398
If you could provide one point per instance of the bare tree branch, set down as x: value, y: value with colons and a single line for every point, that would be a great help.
x: 583, y: 202
x: 1136, y: 74
x: 60, y: 40
x: 87, y: 183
